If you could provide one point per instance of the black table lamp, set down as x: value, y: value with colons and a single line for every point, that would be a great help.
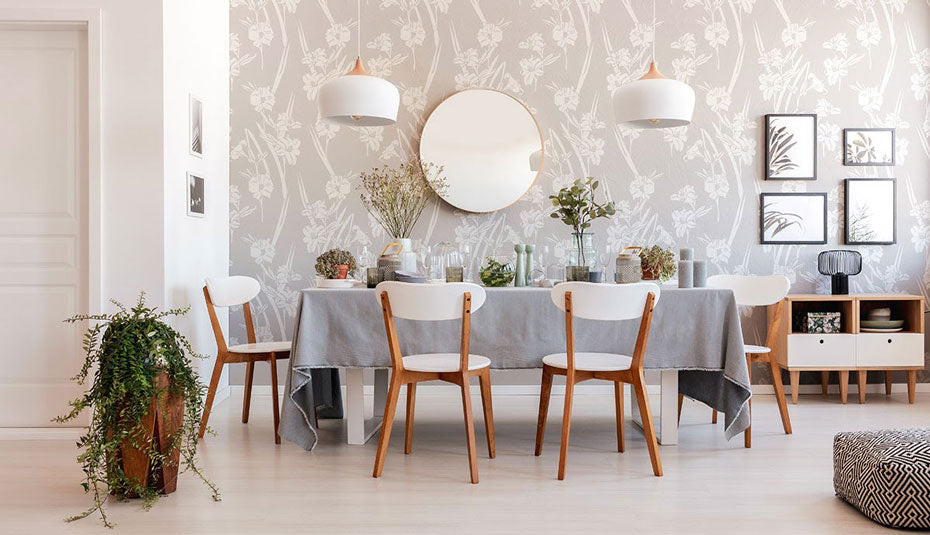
x: 839, y: 264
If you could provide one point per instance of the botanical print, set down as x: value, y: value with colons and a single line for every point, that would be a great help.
x: 791, y: 147
x: 855, y: 63
x: 868, y: 146
x: 870, y: 211
x: 794, y: 218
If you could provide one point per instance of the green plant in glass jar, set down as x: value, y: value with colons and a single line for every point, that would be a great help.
x: 495, y: 273
x: 577, y: 207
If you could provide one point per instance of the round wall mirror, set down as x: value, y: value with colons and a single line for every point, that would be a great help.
x: 489, y: 146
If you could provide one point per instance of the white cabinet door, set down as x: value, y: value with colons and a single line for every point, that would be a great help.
x: 43, y: 220
x: 822, y: 350
x: 895, y: 349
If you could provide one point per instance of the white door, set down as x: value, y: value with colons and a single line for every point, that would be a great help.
x: 43, y: 220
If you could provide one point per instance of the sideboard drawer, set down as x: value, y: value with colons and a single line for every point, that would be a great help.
x: 822, y: 350
x: 896, y: 349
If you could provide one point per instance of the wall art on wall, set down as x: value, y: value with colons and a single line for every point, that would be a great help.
x: 196, y: 126
x: 793, y: 218
x: 791, y: 147
x: 196, y: 201
x: 868, y: 146
x: 870, y: 211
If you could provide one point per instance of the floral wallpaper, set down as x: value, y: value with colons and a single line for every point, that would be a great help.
x: 855, y: 63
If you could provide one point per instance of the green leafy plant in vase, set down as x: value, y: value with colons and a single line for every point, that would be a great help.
x: 495, y: 273
x: 144, y: 403
x: 658, y: 263
x: 336, y: 264
x: 577, y: 207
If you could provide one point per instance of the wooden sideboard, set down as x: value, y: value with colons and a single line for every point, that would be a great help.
x: 851, y: 349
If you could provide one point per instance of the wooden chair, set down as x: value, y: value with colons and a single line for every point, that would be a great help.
x: 607, y: 303
x: 758, y: 290
x: 427, y: 302
x: 232, y: 291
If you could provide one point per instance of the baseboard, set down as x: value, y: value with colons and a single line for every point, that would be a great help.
x: 41, y: 433
x: 581, y: 390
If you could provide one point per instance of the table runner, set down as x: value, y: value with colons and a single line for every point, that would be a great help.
x: 696, y: 331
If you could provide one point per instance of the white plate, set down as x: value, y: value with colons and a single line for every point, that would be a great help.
x: 867, y: 330
x: 335, y: 283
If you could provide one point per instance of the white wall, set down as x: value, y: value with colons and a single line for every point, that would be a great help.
x: 196, y: 47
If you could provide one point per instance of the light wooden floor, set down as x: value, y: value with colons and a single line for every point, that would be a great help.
x: 783, y: 484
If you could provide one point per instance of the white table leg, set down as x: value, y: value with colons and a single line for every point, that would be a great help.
x: 357, y: 432
x: 381, y: 388
x: 666, y: 419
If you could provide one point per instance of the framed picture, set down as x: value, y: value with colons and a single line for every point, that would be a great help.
x: 868, y: 146
x: 196, y: 126
x: 871, y: 211
x: 196, y: 202
x: 791, y: 147
x: 793, y: 218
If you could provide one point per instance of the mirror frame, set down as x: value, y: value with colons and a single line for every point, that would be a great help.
x: 542, y: 145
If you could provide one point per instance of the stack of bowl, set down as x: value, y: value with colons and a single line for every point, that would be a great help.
x: 878, y: 320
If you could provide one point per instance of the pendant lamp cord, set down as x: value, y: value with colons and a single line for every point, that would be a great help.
x: 358, y: 36
x: 654, y: 31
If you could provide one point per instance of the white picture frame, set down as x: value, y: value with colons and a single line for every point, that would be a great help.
x: 195, y: 125
x: 196, y: 195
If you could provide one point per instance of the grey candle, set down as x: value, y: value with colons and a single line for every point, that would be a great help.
x: 700, y: 273
x: 686, y: 253
x: 685, y: 274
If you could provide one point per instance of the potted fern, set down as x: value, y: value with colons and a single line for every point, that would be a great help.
x: 145, y: 407
x: 577, y: 207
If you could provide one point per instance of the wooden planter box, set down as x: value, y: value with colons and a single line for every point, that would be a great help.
x: 161, y: 423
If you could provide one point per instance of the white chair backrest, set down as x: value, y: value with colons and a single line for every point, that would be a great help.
x: 232, y: 291
x: 612, y: 302
x: 753, y: 290
x: 430, y: 302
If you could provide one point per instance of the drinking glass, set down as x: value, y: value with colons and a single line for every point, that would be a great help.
x: 465, y: 251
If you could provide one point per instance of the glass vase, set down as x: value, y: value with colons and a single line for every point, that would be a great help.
x: 582, y: 252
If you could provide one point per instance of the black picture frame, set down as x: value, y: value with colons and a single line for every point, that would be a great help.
x: 767, y: 168
x: 764, y: 241
x: 846, y: 159
x: 196, y: 195
x: 848, y: 240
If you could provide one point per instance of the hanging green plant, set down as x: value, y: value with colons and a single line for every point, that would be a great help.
x: 142, y: 365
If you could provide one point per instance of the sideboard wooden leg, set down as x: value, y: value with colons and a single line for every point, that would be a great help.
x: 844, y: 385
x: 795, y: 383
x: 911, y: 385
x: 887, y: 382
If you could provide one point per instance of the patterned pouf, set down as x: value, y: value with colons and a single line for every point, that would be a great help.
x: 885, y: 474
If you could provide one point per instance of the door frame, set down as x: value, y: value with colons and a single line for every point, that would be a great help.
x: 88, y: 19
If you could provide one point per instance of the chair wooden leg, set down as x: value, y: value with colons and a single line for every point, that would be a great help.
x: 247, y: 395
x: 713, y: 417
x: 484, y: 380
x: 408, y: 424
x: 566, y: 422
x: 274, y: 396
x: 681, y: 400
x: 211, y: 393
x: 544, y: 391
x: 861, y: 376
x: 639, y: 387
x: 747, y: 434
x: 618, y: 403
x: 780, y: 393
x: 795, y: 376
x: 844, y: 385
x: 824, y: 382
x: 911, y: 385
x: 887, y: 382
x: 387, y: 421
x: 469, y: 430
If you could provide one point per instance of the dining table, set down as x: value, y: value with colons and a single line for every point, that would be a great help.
x: 695, y: 346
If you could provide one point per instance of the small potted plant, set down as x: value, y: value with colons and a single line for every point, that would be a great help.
x: 335, y: 264
x: 658, y: 263
x: 577, y: 207
x: 144, y: 403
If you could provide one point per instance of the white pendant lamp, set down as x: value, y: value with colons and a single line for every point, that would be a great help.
x: 358, y: 98
x: 654, y: 101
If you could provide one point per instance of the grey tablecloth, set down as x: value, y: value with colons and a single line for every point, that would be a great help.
x: 696, y: 331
